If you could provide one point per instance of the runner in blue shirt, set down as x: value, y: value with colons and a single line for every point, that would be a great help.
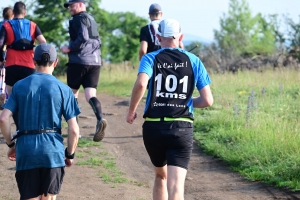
x: 41, y: 100
x: 168, y: 128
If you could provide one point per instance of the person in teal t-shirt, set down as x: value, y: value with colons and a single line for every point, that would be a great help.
x: 41, y: 100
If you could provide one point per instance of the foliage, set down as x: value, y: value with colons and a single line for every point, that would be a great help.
x: 279, y: 35
x: 124, y: 40
x: 294, y: 36
x: 119, y: 31
x: 243, y: 34
x: 51, y: 17
x: 294, y: 32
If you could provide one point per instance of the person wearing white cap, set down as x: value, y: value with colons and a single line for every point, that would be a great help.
x: 173, y: 73
x: 41, y: 100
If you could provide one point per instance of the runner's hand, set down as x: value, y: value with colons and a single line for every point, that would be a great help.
x: 11, y: 154
x: 69, y: 162
x: 65, y: 49
x: 131, y: 117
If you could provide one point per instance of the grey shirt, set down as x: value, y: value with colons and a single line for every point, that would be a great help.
x: 84, y: 45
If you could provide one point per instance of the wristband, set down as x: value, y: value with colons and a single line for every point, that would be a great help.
x: 68, y: 155
x: 11, y: 145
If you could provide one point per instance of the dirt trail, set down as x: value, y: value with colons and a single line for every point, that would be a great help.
x: 207, y: 179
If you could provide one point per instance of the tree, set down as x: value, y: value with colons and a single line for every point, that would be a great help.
x: 119, y: 32
x: 51, y: 17
x: 294, y: 37
x: 242, y: 34
x: 279, y: 36
x: 124, y: 39
x: 294, y: 32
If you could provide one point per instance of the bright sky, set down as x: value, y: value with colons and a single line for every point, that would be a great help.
x: 197, y: 17
x: 201, y: 17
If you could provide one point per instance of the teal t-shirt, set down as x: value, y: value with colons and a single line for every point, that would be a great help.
x: 41, y: 100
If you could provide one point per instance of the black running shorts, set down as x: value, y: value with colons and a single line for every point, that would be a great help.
x: 168, y: 146
x: 15, y: 73
x: 39, y: 181
x: 85, y: 75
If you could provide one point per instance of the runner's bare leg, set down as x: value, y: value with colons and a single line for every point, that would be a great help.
x: 160, y: 191
x: 175, y: 183
x: 89, y: 93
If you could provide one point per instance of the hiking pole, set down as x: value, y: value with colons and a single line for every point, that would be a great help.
x: 2, y: 89
x: 193, y: 48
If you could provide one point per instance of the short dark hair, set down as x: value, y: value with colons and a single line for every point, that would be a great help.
x: 7, y: 13
x: 19, y: 8
x: 45, y: 60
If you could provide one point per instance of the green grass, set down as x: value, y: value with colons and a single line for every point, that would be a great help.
x: 254, y: 124
x: 117, y: 79
x: 83, y: 142
x: 88, y: 156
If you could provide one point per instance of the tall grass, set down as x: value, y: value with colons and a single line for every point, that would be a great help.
x: 117, y: 79
x: 254, y: 124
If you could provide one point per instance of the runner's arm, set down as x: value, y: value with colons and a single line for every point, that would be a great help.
x: 205, y: 98
x: 39, y: 36
x: 143, y: 49
x: 5, y: 125
x: 82, y: 34
x: 41, y: 39
x: 137, y: 94
x: 73, y: 135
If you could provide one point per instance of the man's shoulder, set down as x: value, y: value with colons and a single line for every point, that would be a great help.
x: 81, y: 16
x: 145, y: 28
x: 32, y: 22
x: 65, y: 89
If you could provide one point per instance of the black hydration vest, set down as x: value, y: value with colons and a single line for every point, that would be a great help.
x: 88, y: 21
x: 172, y: 85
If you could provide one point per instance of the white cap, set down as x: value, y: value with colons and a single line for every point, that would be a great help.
x: 169, y: 28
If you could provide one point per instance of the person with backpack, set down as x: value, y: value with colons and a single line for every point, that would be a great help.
x: 84, y: 59
x: 19, y: 35
x: 148, y: 39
